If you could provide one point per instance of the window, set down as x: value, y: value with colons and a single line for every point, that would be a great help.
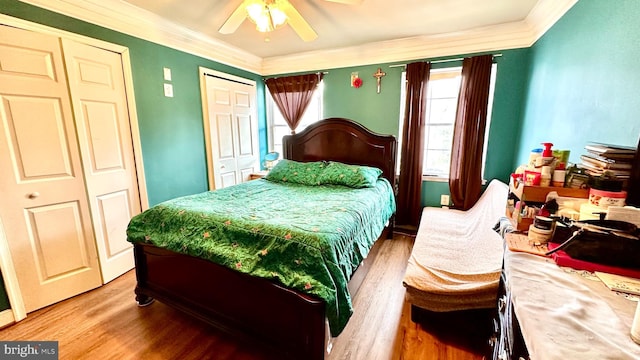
x: 277, y: 126
x: 442, y: 103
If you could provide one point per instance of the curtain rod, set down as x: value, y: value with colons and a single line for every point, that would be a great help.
x: 317, y: 72
x: 441, y: 61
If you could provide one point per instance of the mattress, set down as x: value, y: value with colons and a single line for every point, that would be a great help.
x: 307, y: 238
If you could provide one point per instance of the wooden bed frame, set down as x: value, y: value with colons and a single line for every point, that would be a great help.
x: 254, y: 309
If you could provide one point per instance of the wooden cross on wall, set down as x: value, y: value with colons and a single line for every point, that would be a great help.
x: 378, y: 75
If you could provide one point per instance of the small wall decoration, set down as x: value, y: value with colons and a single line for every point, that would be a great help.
x: 356, y: 81
x: 378, y: 75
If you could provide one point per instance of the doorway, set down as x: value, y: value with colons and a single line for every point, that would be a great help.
x: 231, y: 128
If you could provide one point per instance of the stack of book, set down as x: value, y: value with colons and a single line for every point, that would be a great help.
x: 615, y: 159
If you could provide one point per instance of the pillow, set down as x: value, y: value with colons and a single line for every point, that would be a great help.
x: 305, y: 173
x: 355, y: 176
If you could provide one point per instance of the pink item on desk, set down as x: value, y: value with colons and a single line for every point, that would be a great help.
x: 563, y: 259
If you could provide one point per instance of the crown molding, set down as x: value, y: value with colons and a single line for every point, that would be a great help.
x: 514, y: 35
x: 494, y: 38
x: 545, y: 14
x: 131, y: 20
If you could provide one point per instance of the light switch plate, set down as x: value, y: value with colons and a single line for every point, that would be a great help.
x: 167, y: 74
x: 168, y: 90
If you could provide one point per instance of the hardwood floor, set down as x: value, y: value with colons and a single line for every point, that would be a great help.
x: 106, y: 323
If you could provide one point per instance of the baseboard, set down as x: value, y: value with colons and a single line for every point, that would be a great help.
x: 408, y: 230
x: 6, y: 318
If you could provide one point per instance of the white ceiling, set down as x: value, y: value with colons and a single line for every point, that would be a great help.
x: 374, y: 31
x: 340, y: 25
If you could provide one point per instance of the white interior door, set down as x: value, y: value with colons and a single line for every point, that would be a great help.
x: 231, y: 127
x: 44, y: 206
x: 97, y: 89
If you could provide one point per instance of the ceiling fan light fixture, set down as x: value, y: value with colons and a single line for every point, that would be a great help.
x: 267, y: 15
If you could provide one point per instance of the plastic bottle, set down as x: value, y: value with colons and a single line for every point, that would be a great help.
x: 547, y: 154
x: 533, y: 156
x: 545, y: 176
x: 558, y: 177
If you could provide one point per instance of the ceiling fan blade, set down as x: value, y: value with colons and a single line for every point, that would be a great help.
x: 298, y: 23
x: 348, y: 2
x: 234, y: 21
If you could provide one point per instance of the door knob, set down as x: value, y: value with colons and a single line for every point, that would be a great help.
x: 34, y: 195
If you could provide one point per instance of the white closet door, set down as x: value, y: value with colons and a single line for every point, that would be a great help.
x: 44, y: 206
x: 231, y: 128
x: 97, y: 87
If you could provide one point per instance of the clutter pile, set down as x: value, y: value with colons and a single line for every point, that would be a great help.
x: 579, y: 215
x: 599, y: 180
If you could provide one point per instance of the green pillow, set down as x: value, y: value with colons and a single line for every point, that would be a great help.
x: 355, y: 176
x: 305, y: 173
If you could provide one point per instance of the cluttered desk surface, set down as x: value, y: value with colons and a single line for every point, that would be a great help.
x: 566, y: 313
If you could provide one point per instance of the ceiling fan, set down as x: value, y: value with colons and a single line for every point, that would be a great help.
x: 269, y: 15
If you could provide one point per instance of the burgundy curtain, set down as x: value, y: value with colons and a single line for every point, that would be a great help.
x: 412, y: 152
x: 465, y: 175
x: 292, y: 95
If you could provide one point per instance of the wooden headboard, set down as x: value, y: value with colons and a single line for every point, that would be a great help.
x: 345, y: 141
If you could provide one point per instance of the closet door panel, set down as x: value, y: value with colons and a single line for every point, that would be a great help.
x: 44, y: 206
x: 97, y: 87
x: 231, y: 130
x: 36, y: 131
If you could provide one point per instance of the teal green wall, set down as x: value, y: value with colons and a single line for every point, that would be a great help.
x: 171, y: 129
x: 584, y: 80
x: 380, y: 112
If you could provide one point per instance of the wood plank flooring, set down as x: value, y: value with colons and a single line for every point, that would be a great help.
x: 106, y: 323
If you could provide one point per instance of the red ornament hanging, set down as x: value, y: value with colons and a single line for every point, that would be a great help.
x: 357, y: 82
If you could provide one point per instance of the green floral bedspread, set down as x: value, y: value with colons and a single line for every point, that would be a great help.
x: 308, y: 238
